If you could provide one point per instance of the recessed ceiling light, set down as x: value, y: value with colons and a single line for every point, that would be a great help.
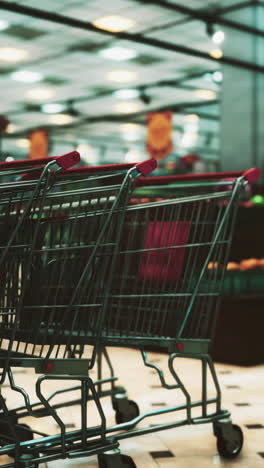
x: 133, y: 155
x: 127, y: 107
x: 122, y: 76
x: 130, y: 136
x: 191, y: 118
x: 10, y: 54
x: 131, y: 132
x: 53, y: 108
x: 189, y: 139
x: 60, y: 119
x: 3, y: 25
x: 11, y: 128
x: 40, y: 94
x: 217, y: 76
x: 127, y: 93
x: 130, y: 127
x: 118, y: 53
x: 23, y: 143
x: 88, y: 153
x: 216, y: 53
x: 218, y: 37
x: 26, y: 76
x: 205, y: 93
x: 114, y: 23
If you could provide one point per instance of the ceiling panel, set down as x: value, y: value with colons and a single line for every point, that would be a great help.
x: 71, y: 66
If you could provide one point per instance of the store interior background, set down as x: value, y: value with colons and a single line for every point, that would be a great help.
x: 88, y: 72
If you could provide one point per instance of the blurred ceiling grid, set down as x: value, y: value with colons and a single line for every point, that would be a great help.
x: 172, y: 64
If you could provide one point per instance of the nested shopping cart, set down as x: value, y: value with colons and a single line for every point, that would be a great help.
x: 164, y: 294
x: 59, y: 239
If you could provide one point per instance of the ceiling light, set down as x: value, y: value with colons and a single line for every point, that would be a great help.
x: 23, y: 143
x: 122, y: 76
x: 191, y: 118
x: 88, y: 153
x: 40, y: 94
x: 127, y: 93
x: 60, y: 119
x: 11, y: 128
x: 127, y: 107
x: 130, y: 136
x: 205, y: 94
x: 3, y: 25
x: 218, y: 37
x: 26, y: 76
x: 130, y: 127
x: 10, y: 54
x: 118, y: 53
x: 217, y: 76
x: 131, y: 132
x: 133, y: 155
x: 208, y: 76
x: 114, y: 23
x: 189, y: 139
x: 216, y: 53
x: 53, y: 108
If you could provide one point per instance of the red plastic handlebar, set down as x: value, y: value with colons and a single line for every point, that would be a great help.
x: 65, y: 161
x: 144, y: 167
x: 251, y: 175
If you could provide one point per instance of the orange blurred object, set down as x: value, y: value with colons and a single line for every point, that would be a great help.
x: 233, y: 266
x: 248, y: 264
x: 212, y: 265
x: 145, y: 200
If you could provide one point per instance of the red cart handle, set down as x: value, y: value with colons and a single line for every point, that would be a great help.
x: 251, y: 175
x: 65, y: 161
x: 144, y: 167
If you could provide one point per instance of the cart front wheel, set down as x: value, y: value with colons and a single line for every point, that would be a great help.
x: 127, y: 413
x: 25, y: 461
x: 115, y: 460
x: 230, y: 448
x: 23, y: 433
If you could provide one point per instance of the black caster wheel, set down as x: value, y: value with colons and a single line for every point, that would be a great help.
x: 25, y: 461
x: 127, y: 462
x: 114, y: 459
x: 230, y: 448
x: 23, y: 433
x: 126, y: 412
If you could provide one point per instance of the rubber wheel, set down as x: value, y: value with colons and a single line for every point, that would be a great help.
x: 24, y: 461
x: 127, y: 462
x: 24, y: 433
x: 133, y: 412
x: 231, y: 449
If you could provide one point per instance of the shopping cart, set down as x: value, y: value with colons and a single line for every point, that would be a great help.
x: 58, y: 265
x: 165, y: 294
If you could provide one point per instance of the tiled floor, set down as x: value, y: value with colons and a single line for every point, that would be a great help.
x: 183, y: 447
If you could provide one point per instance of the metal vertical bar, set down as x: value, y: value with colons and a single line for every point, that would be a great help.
x: 84, y: 399
x: 204, y: 386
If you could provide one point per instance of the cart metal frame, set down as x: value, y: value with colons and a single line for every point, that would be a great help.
x: 118, y: 330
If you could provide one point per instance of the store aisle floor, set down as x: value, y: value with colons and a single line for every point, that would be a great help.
x: 183, y: 447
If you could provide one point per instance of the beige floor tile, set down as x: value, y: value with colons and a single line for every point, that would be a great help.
x: 191, y: 447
